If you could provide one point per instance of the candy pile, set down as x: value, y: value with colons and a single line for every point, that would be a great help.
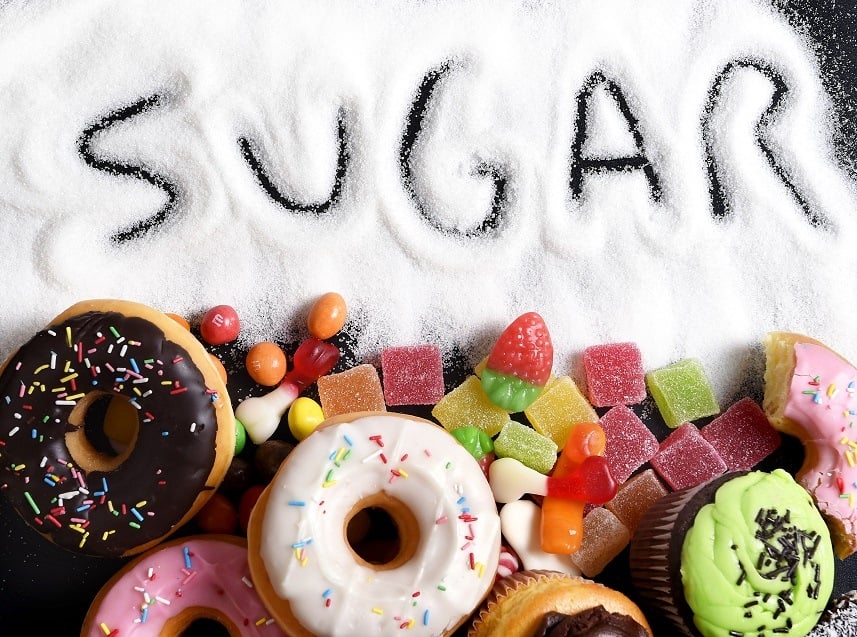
x: 571, y: 462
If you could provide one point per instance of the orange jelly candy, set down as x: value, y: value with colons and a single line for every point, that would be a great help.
x: 327, y: 315
x: 266, y: 363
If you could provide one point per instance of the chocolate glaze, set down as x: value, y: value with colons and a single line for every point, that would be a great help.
x: 592, y: 622
x: 172, y: 457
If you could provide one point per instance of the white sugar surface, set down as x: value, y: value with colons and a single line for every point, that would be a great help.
x: 610, y: 265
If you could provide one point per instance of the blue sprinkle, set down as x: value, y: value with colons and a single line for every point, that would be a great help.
x: 461, y: 500
x: 332, y: 456
x: 137, y: 515
x: 816, y: 398
x: 50, y: 482
x: 104, y: 484
x: 426, y: 618
x: 34, y: 434
x: 327, y: 593
x: 82, y: 508
x: 187, y: 557
x: 165, y: 433
x: 348, y: 441
x: 145, y: 615
x: 297, y: 503
x: 302, y: 543
x: 98, y: 494
x: 134, y: 365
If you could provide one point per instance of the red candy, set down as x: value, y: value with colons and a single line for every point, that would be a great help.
x: 591, y: 481
x: 742, y: 435
x: 218, y: 515
x: 686, y: 459
x: 614, y: 374
x: 245, y: 506
x: 220, y: 325
x: 629, y: 442
x: 313, y: 358
x: 412, y: 375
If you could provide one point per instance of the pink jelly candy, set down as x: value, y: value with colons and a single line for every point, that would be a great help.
x: 629, y: 442
x: 686, y: 459
x: 313, y: 359
x: 742, y: 435
x: 412, y: 375
x: 614, y: 374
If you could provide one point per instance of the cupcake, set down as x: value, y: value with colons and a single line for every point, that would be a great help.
x: 747, y: 553
x: 553, y: 604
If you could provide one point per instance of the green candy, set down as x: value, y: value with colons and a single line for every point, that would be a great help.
x: 476, y: 441
x: 509, y: 392
x: 682, y: 392
x: 240, y: 437
x: 527, y: 446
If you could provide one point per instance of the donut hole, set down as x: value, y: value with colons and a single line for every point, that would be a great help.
x: 382, y: 532
x: 103, y: 431
x: 200, y: 622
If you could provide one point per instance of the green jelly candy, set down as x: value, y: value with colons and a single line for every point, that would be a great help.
x: 240, y: 437
x: 527, y: 446
x: 509, y: 392
x: 682, y: 392
x: 476, y: 441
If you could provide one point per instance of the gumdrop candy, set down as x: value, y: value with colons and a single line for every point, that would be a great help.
x: 466, y: 405
x: 614, y: 374
x: 635, y: 497
x: 605, y: 537
x: 558, y: 409
x: 519, y: 364
x: 630, y: 444
x: 682, y: 392
x: 686, y: 459
x: 527, y: 446
x: 742, y: 435
x: 355, y: 389
x: 412, y: 375
x: 476, y: 441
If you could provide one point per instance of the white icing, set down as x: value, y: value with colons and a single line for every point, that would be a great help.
x: 439, y: 482
x: 520, y: 522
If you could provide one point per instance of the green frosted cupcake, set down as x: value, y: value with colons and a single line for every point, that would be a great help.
x: 745, y: 554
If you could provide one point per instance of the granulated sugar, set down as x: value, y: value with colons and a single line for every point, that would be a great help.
x: 620, y: 261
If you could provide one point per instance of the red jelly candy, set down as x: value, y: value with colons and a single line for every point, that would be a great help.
x: 220, y: 325
x: 591, y: 481
x: 686, y: 459
x: 742, y: 435
x: 313, y: 358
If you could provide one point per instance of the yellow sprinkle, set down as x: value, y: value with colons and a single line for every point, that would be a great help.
x: 83, y: 541
x: 68, y: 335
x: 340, y: 453
x: 76, y: 396
x: 19, y: 467
x: 110, y: 506
x: 831, y: 390
x: 137, y: 391
x: 480, y: 569
x: 65, y: 379
x: 852, y: 444
x: 57, y: 390
x: 142, y: 503
x: 67, y: 367
x: 104, y: 627
x: 844, y: 440
x: 403, y: 473
x: 41, y: 368
x: 261, y: 621
x: 849, y: 456
x: 328, y: 483
x: 166, y: 382
x: 304, y: 561
x: 77, y: 527
x: 377, y: 611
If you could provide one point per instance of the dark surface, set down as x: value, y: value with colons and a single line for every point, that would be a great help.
x: 45, y: 590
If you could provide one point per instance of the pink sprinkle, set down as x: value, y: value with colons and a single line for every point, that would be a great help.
x: 189, y: 577
x: 403, y: 458
x: 180, y: 390
x: 427, y: 452
x: 441, y: 520
x: 466, y: 546
x: 177, y: 359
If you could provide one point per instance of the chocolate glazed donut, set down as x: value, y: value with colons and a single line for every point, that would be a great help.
x: 154, y: 373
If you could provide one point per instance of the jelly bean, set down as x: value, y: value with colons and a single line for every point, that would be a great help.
x: 327, y: 315
x: 220, y: 325
x: 269, y: 455
x: 240, y: 437
x: 246, y: 504
x: 304, y: 416
x: 218, y: 365
x: 591, y: 481
x: 261, y: 414
x: 266, y: 363
x: 476, y: 441
x: 180, y: 320
x: 218, y: 515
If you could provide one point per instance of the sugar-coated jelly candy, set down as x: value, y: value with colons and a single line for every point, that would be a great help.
x: 220, y: 325
x: 591, y: 481
x: 606, y: 537
x: 635, y: 497
x: 355, y: 389
x: 686, y: 459
x: 304, y: 416
x: 466, y: 405
x: 614, y: 374
x: 742, y: 435
x: 682, y: 392
x: 266, y: 363
x: 527, y: 445
x: 218, y: 515
x: 412, y: 375
x: 519, y: 364
x: 630, y: 444
x: 327, y: 315
x: 558, y: 409
x: 261, y: 414
x: 476, y: 441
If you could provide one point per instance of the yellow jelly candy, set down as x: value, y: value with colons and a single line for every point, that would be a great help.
x: 304, y: 416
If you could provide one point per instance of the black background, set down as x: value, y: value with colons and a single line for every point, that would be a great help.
x: 45, y: 590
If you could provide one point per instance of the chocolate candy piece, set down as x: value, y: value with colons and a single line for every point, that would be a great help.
x: 269, y: 455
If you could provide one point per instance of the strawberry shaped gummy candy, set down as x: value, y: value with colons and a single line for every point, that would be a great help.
x: 520, y: 363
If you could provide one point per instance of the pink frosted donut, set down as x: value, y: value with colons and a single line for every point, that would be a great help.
x: 164, y: 591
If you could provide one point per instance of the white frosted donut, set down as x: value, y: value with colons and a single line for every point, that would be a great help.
x: 433, y: 490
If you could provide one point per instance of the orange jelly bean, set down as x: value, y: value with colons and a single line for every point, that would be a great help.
x: 562, y: 520
x: 327, y: 315
x: 266, y: 363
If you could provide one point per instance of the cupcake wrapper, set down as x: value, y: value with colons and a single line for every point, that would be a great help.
x: 655, y: 553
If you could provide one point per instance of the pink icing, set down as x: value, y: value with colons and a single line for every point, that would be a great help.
x: 218, y: 578
x: 823, y: 399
